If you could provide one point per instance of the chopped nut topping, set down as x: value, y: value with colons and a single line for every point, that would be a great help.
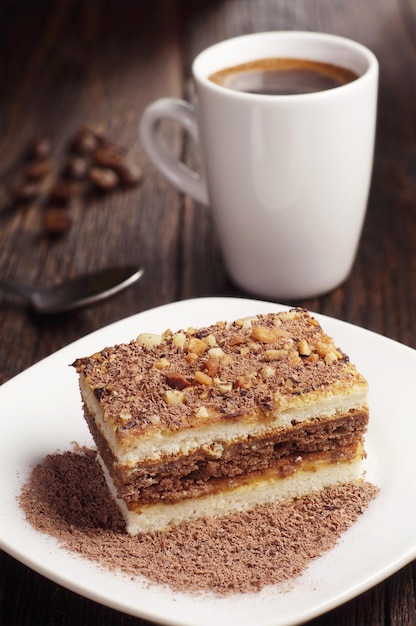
x: 304, y: 348
x: 216, y: 352
x: 262, y: 364
x: 196, y: 346
x: 202, y: 378
x: 162, y: 364
x: 173, y: 396
x: 263, y: 334
x: 330, y: 357
x: 223, y: 387
x: 179, y: 340
x: 267, y: 371
x: 271, y: 355
x: 202, y: 412
x: 210, y: 341
x: 280, y: 332
x: 212, y: 365
x: 244, y: 382
x: 177, y: 381
x: 245, y: 322
x: 125, y: 415
x: 149, y: 339
x: 294, y: 359
x: 322, y: 348
x: 227, y: 360
x: 289, y: 315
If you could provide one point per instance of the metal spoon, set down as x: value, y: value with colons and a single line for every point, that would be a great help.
x: 77, y: 292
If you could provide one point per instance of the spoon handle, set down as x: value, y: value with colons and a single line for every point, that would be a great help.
x: 21, y: 290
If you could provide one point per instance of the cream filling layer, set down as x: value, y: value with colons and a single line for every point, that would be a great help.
x: 166, y: 444
x: 268, y: 490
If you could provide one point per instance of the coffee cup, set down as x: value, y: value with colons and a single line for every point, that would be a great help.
x: 285, y: 125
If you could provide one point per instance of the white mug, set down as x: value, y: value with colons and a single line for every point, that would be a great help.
x: 286, y: 176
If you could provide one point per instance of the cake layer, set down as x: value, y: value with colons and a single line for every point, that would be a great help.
x: 266, y: 490
x: 210, y: 469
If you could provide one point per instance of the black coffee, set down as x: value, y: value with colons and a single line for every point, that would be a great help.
x: 281, y: 76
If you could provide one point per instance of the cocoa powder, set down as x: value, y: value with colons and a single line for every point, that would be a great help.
x: 240, y: 553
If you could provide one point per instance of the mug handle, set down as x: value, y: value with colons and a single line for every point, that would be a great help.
x: 179, y: 174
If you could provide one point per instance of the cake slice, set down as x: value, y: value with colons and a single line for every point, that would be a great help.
x: 218, y: 419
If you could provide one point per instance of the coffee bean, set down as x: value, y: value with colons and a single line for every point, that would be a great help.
x: 56, y: 221
x: 130, y: 174
x: 25, y: 191
x: 103, y: 177
x: 85, y: 141
x: 109, y: 155
x: 76, y: 167
x: 64, y: 190
x: 40, y: 149
x: 39, y: 169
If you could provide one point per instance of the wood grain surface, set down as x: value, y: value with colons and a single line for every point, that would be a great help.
x: 70, y: 63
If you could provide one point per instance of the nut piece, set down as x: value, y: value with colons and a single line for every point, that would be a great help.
x: 216, y: 352
x: 267, y: 371
x: 149, y: 340
x: 162, y: 364
x: 243, y: 382
x: 177, y: 380
x: 179, y: 340
x: 272, y: 355
x: 202, y: 412
x: 280, y: 332
x: 173, y: 396
x: 196, y: 346
x: 212, y: 365
x: 203, y: 378
x: 304, y: 348
x: 263, y: 334
x: 223, y: 387
x: 330, y: 358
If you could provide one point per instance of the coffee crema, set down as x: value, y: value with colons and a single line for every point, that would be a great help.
x: 283, y: 76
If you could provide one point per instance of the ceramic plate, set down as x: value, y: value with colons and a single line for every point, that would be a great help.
x: 41, y: 413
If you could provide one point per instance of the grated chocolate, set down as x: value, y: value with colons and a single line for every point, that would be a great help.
x: 240, y: 553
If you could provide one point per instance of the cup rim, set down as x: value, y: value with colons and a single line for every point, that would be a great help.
x: 202, y: 60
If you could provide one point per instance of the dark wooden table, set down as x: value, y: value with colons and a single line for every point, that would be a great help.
x: 69, y: 63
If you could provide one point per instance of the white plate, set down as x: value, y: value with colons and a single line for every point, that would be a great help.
x: 40, y: 413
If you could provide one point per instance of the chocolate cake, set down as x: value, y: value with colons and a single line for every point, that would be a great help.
x: 208, y: 421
